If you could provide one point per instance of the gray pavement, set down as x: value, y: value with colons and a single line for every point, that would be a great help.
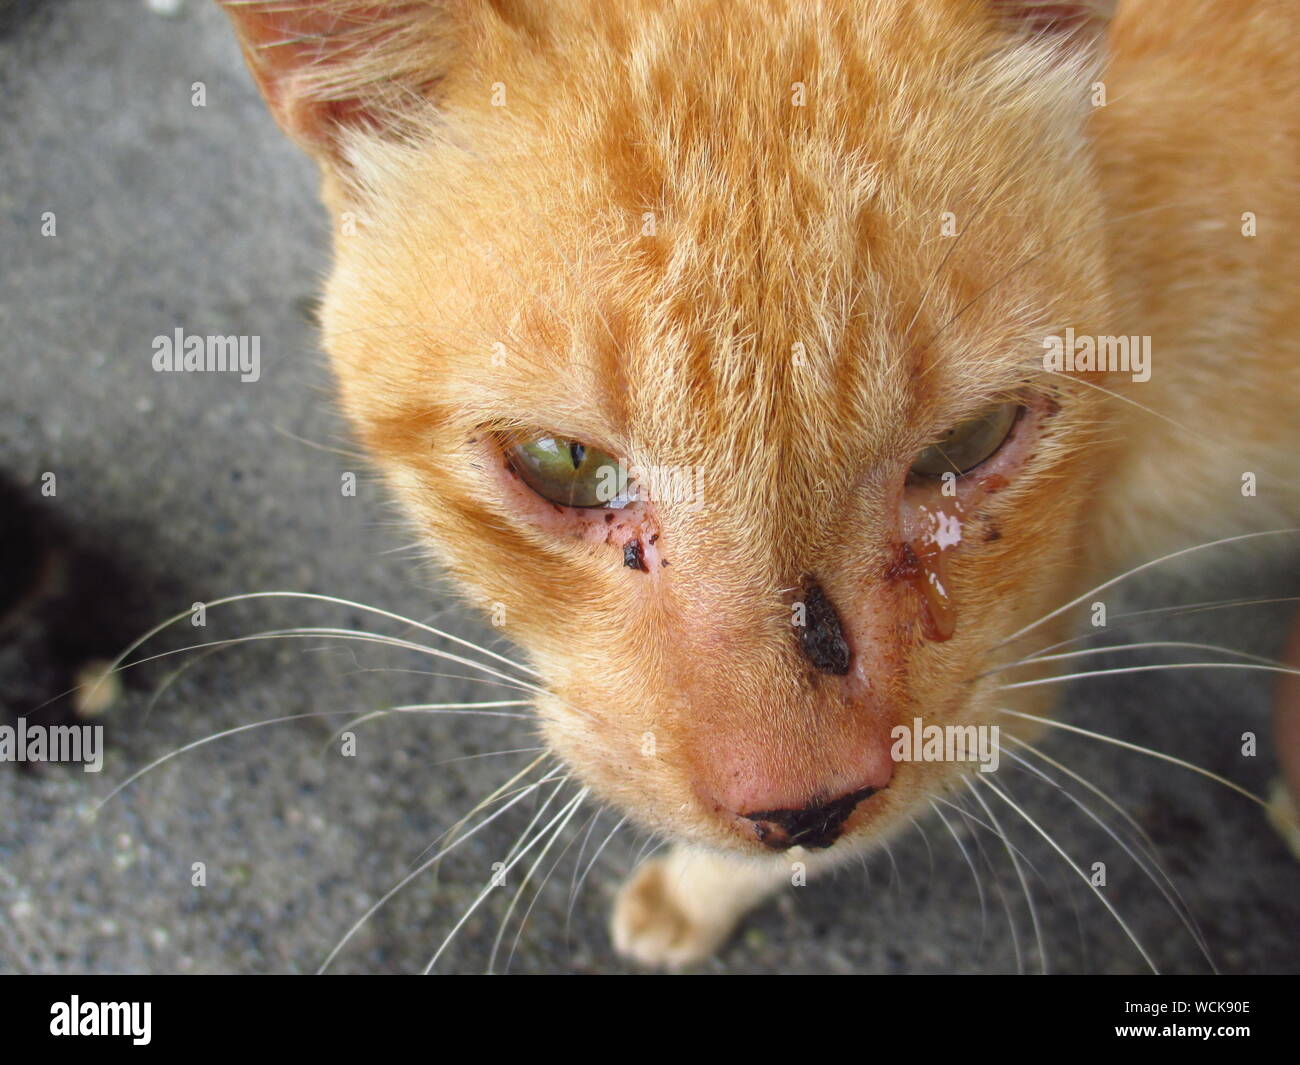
x: 176, y: 489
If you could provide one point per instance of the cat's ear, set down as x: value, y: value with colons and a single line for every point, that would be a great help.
x: 326, y: 65
x: 1074, y: 24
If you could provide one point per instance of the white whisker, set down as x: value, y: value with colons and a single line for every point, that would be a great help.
x: 563, y: 813
x: 568, y: 917
x: 925, y: 838
x: 537, y: 894
x: 586, y: 839
x: 1140, y: 750
x: 974, y: 872
x: 486, y: 709
x: 1139, y: 569
x: 486, y: 754
x: 523, y: 884
x: 1020, y: 875
x: 379, y: 903
x: 1150, y: 667
x: 997, y: 880
x: 1114, y: 621
x: 500, y: 792
x: 1175, y: 900
x: 316, y: 597
x: 223, y: 734
x: 1145, y: 645
x: 1081, y: 874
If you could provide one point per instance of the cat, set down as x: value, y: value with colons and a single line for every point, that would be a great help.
x: 782, y: 375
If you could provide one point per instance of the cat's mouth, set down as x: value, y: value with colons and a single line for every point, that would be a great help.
x: 813, y: 827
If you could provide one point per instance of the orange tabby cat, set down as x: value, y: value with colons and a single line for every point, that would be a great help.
x: 737, y: 353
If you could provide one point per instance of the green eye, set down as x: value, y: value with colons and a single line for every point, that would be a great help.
x: 569, y: 472
x: 967, y: 444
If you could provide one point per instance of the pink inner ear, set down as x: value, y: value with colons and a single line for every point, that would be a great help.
x: 299, y: 50
x: 1060, y: 17
x: 279, y: 40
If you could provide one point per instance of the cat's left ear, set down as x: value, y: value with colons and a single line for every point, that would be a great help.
x: 327, y: 65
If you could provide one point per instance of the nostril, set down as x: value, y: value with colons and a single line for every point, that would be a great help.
x: 816, y: 826
x: 822, y: 636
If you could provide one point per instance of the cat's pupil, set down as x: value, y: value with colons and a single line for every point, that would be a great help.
x: 576, y: 454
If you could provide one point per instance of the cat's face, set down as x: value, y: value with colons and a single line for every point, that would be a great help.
x: 765, y: 254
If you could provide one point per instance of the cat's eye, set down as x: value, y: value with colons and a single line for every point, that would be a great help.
x: 967, y: 444
x: 569, y: 472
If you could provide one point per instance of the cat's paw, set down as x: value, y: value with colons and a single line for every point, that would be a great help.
x: 654, y: 923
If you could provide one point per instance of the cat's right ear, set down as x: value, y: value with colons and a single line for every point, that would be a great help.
x: 1073, y: 24
x: 325, y: 66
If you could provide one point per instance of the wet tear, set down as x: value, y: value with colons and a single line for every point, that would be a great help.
x: 938, y: 615
x: 922, y: 562
x: 923, y: 568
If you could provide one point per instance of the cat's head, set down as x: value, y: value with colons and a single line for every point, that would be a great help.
x: 744, y: 280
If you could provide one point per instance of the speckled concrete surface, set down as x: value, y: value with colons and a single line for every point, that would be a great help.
x: 199, y: 487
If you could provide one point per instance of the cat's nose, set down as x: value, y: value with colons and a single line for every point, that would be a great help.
x: 822, y: 634
x: 815, y: 826
x: 763, y: 788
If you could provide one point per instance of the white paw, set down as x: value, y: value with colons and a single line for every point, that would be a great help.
x: 653, y: 924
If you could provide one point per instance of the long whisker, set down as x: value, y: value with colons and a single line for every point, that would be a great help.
x: 223, y: 734
x: 564, y: 813
x: 1075, y: 379
x: 1145, y: 409
x: 360, y: 637
x: 523, y: 921
x: 568, y: 917
x: 487, y: 709
x: 500, y: 792
x: 320, y: 598
x: 514, y: 685
x: 592, y: 821
x: 895, y: 877
x: 377, y: 638
x: 1143, y: 646
x: 1116, y: 620
x: 333, y: 633
x: 979, y: 886
x: 538, y: 814
x: 1138, y: 569
x: 1149, y: 667
x: 641, y: 851
x: 925, y: 838
x: 1140, y: 750
x: 997, y: 880
x: 1070, y: 861
x: 165, y: 684
x: 379, y: 903
x: 486, y: 754
x: 347, y: 453
x: 1148, y: 844
x: 1175, y: 901
x: 1020, y: 875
